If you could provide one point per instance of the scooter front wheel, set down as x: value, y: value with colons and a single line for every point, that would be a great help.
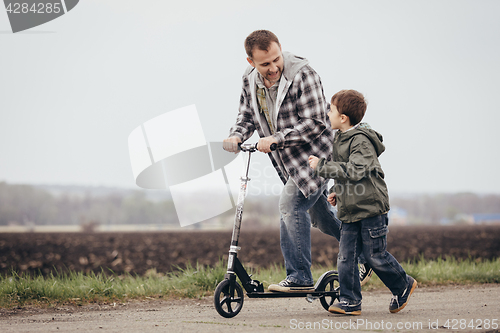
x: 228, y: 303
x: 329, y: 283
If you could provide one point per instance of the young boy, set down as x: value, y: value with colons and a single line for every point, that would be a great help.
x: 362, y: 202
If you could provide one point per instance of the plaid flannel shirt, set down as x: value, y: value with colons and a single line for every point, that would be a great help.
x: 302, y: 126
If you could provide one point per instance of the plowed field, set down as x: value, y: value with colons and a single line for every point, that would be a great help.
x: 139, y: 252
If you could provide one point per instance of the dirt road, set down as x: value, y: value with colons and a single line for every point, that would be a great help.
x: 462, y: 308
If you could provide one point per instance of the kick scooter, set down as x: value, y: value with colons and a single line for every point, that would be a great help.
x: 228, y: 297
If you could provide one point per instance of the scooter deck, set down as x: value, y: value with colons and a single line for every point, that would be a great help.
x: 275, y: 294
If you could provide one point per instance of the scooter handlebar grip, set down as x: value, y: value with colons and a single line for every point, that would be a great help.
x: 274, y: 146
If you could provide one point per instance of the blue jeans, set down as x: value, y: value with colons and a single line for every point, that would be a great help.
x: 295, y: 229
x: 367, y: 236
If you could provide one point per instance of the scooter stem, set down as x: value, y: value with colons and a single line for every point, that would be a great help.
x: 248, y: 149
x: 239, y: 210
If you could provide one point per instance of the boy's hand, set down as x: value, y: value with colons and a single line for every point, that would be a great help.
x: 332, y: 199
x: 313, y: 161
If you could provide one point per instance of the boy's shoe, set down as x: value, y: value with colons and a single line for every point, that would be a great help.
x: 365, y: 273
x: 398, y: 302
x: 286, y: 286
x: 345, y: 308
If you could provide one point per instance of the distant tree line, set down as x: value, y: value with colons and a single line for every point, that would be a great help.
x: 30, y: 205
x: 426, y: 209
x: 34, y: 205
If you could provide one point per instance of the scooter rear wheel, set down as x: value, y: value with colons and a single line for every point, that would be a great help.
x: 329, y: 283
x: 228, y: 304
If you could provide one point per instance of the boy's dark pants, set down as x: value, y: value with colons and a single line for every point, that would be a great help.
x: 368, y: 236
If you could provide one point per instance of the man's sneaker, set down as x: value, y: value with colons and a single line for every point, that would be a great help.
x: 290, y: 287
x: 365, y: 273
x: 398, y: 302
x: 345, y: 308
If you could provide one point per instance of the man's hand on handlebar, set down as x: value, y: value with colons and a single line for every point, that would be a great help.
x: 231, y: 144
x: 264, y: 144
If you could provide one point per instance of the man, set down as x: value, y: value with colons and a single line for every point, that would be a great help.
x: 282, y: 99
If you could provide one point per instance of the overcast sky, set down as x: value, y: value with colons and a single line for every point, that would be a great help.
x: 72, y: 90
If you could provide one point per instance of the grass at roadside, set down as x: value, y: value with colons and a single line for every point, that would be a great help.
x: 449, y: 271
x: 198, y: 281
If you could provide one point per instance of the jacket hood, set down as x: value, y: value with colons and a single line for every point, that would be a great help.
x: 365, y: 129
x: 291, y: 63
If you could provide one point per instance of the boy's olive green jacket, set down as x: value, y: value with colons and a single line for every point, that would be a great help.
x: 359, y: 179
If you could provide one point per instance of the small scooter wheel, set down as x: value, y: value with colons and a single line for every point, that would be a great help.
x: 228, y: 303
x: 329, y: 283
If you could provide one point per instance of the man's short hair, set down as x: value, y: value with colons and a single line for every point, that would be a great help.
x: 351, y: 103
x: 260, y: 39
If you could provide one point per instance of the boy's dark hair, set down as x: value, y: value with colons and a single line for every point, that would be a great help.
x: 351, y: 103
x: 260, y: 39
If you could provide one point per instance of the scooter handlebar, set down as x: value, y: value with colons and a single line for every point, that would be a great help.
x: 253, y: 146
